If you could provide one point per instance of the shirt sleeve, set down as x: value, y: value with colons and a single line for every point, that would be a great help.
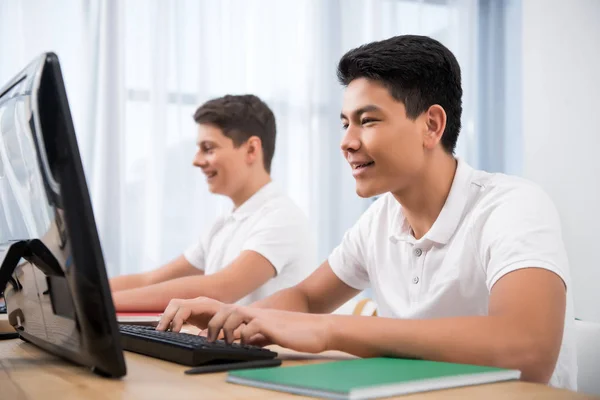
x: 196, y: 253
x: 349, y: 259
x: 279, y: 235
x: 522, y: 230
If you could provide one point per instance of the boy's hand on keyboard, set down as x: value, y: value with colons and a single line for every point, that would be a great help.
x: 236, y: 335
x: 196, y: 312
x: 259, y: 327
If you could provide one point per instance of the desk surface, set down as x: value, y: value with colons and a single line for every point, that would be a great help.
x: 4, y: 325
x: 27, y: 372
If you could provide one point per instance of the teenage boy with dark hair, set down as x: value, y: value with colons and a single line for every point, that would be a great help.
x: 465, y: 266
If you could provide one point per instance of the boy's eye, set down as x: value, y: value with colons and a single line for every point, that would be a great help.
x: 367, y: 121
x: 344, y: 126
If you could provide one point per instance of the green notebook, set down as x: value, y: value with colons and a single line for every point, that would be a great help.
x: 369, y: 378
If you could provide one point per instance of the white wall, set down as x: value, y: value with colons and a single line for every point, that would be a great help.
x: 561, y: 128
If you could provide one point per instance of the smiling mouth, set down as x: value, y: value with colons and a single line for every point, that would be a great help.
x: 210, y: 174
x: 365, y: 165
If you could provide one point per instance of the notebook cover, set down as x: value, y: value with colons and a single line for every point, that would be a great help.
x: 343, y: 377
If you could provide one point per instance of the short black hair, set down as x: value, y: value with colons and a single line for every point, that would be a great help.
x: 240, y: 117
x: 417, y: 70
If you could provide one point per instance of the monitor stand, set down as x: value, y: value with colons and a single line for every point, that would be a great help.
x: 33, y: 251
x: 10, y: 255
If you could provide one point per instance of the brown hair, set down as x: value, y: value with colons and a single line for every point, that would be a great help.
x: 241, y: 117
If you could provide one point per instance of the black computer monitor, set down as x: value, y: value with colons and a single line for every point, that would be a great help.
x: 52, y: 270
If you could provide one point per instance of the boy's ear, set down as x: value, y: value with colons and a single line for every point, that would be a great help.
x: 253, y: 149
x: 435, y: 120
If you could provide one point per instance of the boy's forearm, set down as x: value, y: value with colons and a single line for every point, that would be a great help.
x: 156, y: 297
x: 125, y: 282
x: 177, y: 268
x: 492, y: 341
x: 291, y: 299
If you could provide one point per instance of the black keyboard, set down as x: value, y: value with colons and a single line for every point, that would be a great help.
x: 186, y: 349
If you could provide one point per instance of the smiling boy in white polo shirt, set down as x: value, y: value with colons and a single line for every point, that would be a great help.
x: 465, y: 266
x: 262, y: 246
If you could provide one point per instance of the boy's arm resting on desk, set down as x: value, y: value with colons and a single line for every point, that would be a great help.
x: 246, y: 273
x: 177, y: 268
x: 523, y: 330
x: 321, y: 292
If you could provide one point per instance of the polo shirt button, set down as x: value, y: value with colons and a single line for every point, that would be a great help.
x: 416, y: 280
x: 417, y: 252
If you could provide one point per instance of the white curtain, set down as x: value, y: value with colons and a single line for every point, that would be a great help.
x: 136, y: 70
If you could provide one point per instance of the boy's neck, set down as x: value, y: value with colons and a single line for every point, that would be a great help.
x: 249, y: 189
x: 423, y: 201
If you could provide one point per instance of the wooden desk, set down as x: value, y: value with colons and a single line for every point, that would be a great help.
x: 27, y: 372
x: 4, y: 325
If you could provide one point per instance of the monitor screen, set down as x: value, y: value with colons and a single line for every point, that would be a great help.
x: 52, y: 270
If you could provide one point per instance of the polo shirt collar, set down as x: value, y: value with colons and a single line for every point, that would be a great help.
x: 447, y: 222
x: 255, y: 201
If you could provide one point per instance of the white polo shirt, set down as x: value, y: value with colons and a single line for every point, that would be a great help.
x: 268, y: 223
x: 490, y: 225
